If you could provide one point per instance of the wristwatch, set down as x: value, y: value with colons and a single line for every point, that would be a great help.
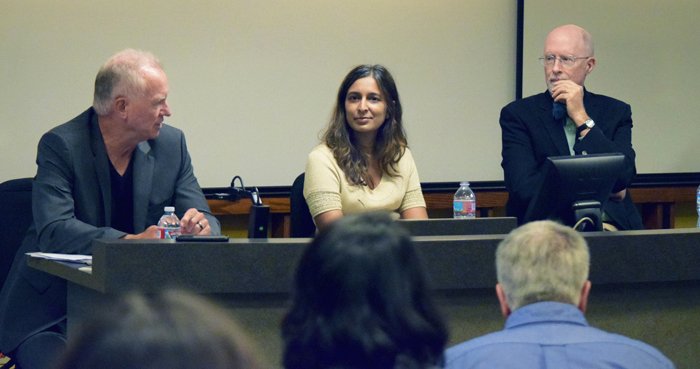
x: 588, y: 124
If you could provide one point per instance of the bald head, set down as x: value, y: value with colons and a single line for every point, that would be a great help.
x: 576, y: 37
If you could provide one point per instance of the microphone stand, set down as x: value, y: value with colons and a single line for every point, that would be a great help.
x: 259, y: 218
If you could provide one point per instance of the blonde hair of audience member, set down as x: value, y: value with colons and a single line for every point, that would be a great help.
x: 122, y: 75
x: 172, y: 330
x: 542, y: 261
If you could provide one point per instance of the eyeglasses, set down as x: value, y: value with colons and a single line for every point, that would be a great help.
x: 567, y: 60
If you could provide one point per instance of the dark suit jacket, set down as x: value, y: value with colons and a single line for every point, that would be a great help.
x: 530, y: 134
x: 71, y: 201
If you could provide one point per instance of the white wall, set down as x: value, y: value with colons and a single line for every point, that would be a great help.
x: 253, y: 82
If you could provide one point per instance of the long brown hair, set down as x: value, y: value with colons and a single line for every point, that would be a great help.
x: 390, y: 143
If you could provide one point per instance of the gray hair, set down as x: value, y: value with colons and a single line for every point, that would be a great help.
x: 121, y: 76
x: 542, y: 261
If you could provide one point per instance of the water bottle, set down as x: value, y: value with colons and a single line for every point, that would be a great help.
x: 464, y: 204
x: 168, y: 224
x: 697, y: 206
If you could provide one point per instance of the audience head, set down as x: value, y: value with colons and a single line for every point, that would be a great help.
x: 390, y: 141
x: 169, y: 331
x: 361, y: 300
x: 542, y: 261
x: 575, y: 45
x: 123, y: 75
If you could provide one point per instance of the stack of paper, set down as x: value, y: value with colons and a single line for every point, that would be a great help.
x: 73, y: 258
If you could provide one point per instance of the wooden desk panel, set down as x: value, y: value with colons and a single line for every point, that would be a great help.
x: 657, y: 205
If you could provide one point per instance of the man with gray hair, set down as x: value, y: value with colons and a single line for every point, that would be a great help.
x: 543, y: 287
x: 108, y: 173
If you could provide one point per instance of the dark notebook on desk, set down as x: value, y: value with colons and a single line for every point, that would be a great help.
x: 455, y: 227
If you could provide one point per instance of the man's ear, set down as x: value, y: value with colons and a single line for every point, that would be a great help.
x: 583, y: 302
x: 505, y: 309
x: 120, y: 104
x: 590, y: 64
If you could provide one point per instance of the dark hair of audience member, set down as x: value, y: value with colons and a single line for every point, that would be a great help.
x: 171, y: 330
x: 361, y: 300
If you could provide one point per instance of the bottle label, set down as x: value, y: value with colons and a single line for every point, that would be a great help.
x: 168, y: 233
x: 464, y: 208
x: 163, y: 233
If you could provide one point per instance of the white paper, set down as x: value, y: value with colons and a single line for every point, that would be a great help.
x: 73, y: 258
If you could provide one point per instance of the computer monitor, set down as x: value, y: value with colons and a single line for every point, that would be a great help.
x: 574, y: 189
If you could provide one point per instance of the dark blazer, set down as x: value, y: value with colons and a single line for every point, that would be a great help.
x: 71, y: 202
x: 530, y: 134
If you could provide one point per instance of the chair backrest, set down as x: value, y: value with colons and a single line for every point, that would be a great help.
x: 15, y: 218
x: 301, y: 223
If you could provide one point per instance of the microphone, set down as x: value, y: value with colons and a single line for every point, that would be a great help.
x: 237, y: 193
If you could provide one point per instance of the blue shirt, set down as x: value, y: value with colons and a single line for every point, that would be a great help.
x: 553, y: 335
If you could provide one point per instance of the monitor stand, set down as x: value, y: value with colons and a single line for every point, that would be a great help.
x: 587, y: 216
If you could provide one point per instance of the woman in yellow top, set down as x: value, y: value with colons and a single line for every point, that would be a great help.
x: 364, y: 162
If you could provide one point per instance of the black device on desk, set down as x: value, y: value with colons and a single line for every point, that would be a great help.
x: 200, y: 238
x: 574, y: 190
x: 259, y: 217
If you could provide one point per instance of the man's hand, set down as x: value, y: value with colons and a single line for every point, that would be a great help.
x: 570, y: 93
x: 618, y: 196
x: 150, y: 233
x: 194, y: 222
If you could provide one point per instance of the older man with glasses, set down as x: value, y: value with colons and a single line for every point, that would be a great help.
x: 567, y: 119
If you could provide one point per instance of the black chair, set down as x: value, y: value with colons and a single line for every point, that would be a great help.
x: 15, y: 218
x: 301, y: 223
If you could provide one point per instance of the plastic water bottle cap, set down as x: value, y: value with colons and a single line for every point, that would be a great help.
x: 169, y: 209
x: 465, y: 183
